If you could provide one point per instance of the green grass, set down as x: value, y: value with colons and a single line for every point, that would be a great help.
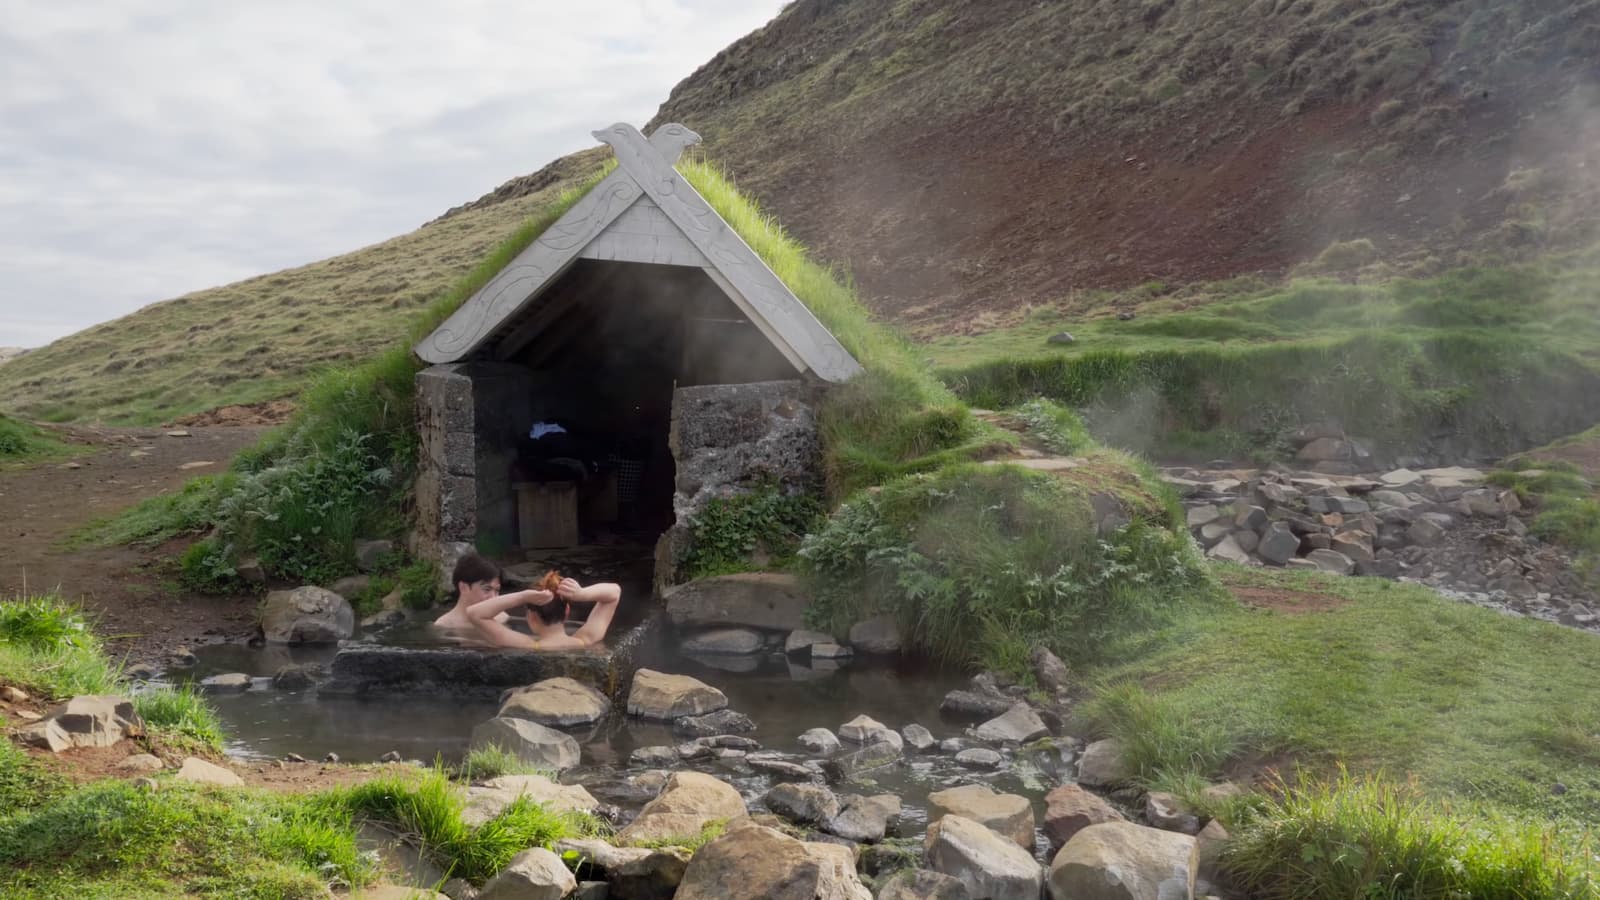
x: 23, y: 444
x: 979, y: 563
x: 112, y: 839
x: 427, y: 809
x: 1568, y: 503
x: 1372, y: 838
x: 152, y: 520
x: 46, y: 646
x: 1476, y: 706
x: 1504, y: 357
x: 181, y: 713
x: 24, y: 782
x: 484, y: 763
x: 691, y: 842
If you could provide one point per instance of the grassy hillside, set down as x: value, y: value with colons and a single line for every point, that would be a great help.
x: 968, y: 160
x: 1494, y: 359
x: 21, y: 443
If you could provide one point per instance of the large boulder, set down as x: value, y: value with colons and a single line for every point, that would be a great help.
x: 989, y: 864
x: 767, y: 600
x: 92, y: 720
x: 306, y: 615
x: 865, y: 820
x: 1017, y: 725
x: 688, y: 802
x: 1278, y: 544
x: 867, y: 730
x: 1103, y: 764
x: 755, y: 862
x: 1049, y: 670
x: 657, y: 695
x: 1124, y: 861
x: 528, y: 741
x: 845, y: 766
x: 535, y: 874
x: 559, y: 702
x: 491, y: 798
x: 1006, y: 814
x: 1069, y: 809
x: 808, y: 804
x: 879, y: 634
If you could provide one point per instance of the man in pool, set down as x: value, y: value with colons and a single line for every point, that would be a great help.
x: 476, y: 579
x: 547, y: 615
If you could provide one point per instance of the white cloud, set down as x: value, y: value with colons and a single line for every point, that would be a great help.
x: 150, y: 149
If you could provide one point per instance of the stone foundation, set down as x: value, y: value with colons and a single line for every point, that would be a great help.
x: 728, y: 438
x: 368, y: 670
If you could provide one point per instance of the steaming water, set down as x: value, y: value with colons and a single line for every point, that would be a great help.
x: 783, y: 698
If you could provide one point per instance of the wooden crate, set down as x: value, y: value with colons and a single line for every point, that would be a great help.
x: 547, y: 514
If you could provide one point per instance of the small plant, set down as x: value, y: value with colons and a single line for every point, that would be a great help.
x: 730, y: 532
x: 43, y: 623
x: 428, y: 808
x: 488, y: 762
x: 691, y: 842
x: 1058, y: 428
x: 45, y: 645
x: 181, y: 711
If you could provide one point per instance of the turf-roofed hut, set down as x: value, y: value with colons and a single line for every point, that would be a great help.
x: 635, y: 360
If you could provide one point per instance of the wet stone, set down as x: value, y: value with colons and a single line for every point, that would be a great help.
x: 974, y: 705
x: 918, y: 738
x: 655, y: 757
x: 873, y: 756
x: 980, y: 758
x: 820, y: 741
x: 723, y: 721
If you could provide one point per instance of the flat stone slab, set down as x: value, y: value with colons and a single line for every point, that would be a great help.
x: 376, y: 670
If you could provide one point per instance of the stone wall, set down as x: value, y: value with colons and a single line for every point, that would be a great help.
x: 469, y: 418
x: 728, y: 438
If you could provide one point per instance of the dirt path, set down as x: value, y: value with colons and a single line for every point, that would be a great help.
x: 133, y: 592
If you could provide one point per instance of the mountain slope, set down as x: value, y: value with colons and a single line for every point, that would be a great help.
x: 964, y: 160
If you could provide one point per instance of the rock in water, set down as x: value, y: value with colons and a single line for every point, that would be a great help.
x: 919, y: 738
x: 528, y: 741
x: 535, y: 874
x: 865, y: 820
x: 559, y: 702
x: 687, y: 803
x: 988, y: 864
x: 1018, y: 725
x: 307, y: 615
x: 724, y: 641
x: 723, y: 721
x: 880, y: 635
x: 1006, y: 814
x: 808, y: 804
x: 1069, y: 809
x: 657, y: 695
x: 753, y: 862
x: 1103, y: 764
x: 1123, y: 861
x: 820, y: 741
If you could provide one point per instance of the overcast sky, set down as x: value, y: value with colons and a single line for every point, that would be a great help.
x: 149, y: 148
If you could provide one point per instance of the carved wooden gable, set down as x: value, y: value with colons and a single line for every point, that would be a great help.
x: 644, y: 212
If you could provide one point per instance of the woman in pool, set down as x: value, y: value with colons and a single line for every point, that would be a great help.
x: 547, y: 615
